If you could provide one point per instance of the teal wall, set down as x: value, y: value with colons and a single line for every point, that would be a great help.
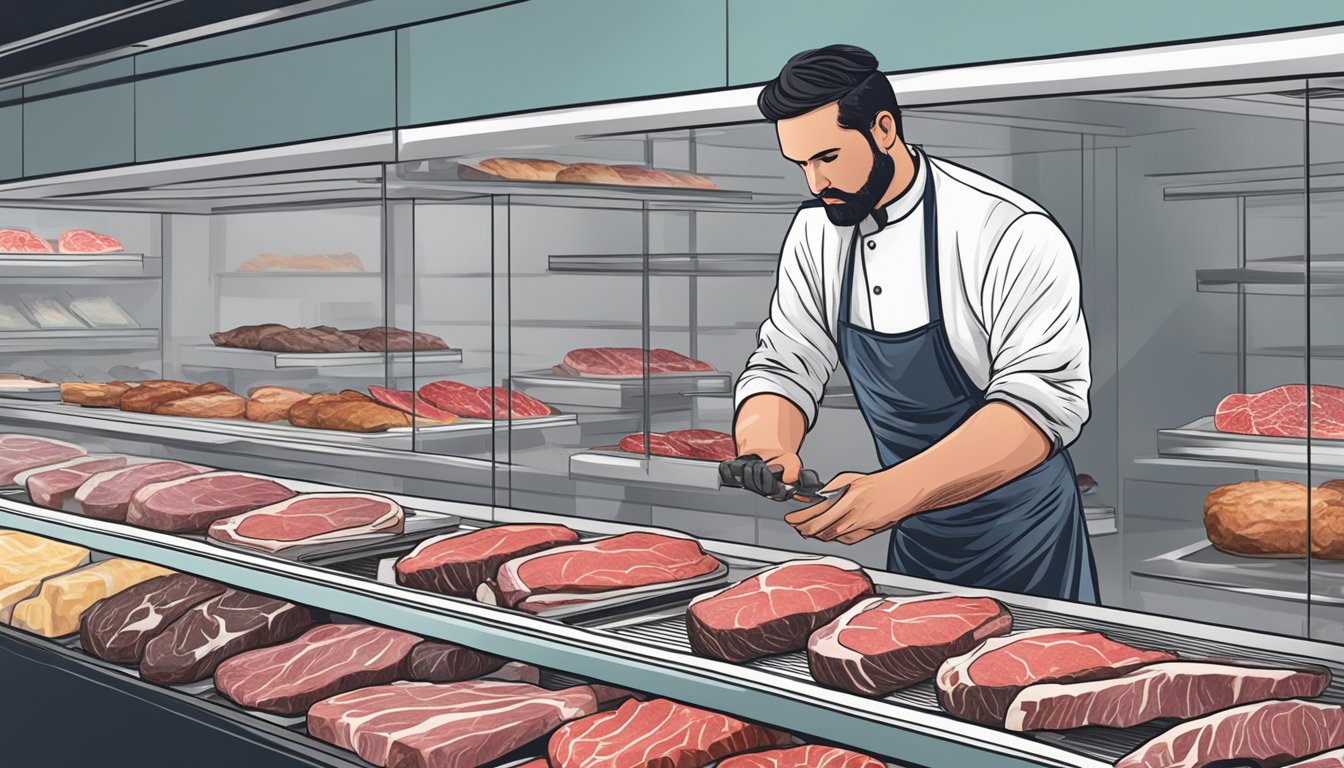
x: 11, y: 142
x: 89, y: 129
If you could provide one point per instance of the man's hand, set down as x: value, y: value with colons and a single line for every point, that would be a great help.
x: 870, y: 504
x: 772, y: 428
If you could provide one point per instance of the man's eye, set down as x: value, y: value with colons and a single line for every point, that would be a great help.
x: 828, y: 159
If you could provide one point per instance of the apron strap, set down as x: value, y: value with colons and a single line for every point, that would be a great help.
x: 932, y: 291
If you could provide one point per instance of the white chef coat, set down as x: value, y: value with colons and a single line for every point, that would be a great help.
x: 1008, y: 281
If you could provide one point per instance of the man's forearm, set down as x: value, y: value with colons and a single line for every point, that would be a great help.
x: 995, y: 445
x: 769, y: 422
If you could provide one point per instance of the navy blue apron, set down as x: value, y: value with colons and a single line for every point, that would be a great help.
x: 1027, y: 536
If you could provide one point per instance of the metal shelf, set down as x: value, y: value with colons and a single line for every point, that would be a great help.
x: 1266, y: 187
x: 616, y: 466
x: 428, y: 362
x: 1285, y: 278
x: 1290, y: 579
x: 439, y: 176
x: 627, y: 393
x: 79, y: 340
x: 1199, y: 440
x: 679, y: 264
x: 1100, y: 521
x: 69, y: 266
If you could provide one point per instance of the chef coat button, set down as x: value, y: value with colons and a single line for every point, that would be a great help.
x: 877, y: 290
x: 872, y: 243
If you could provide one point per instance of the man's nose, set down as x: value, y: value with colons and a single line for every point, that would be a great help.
x: 816, y: 181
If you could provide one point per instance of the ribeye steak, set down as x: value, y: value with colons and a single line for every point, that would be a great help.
x: 21, y: 452
x: 809, y: 756
x: 107, y: 495
x: 311, y: 518
x: 685, y: 443
x: 212, y: 631
x: 22, y: 241
x: 624, y: 362
x: 436, y: 662
x: 1282, y: 412
x: 84, y: 241
x: 457, y: 563
x: 118, y: 628
x: 406, y: 401
x: 1270, y: 734
x: 192, y: 503
x: 52, y: 486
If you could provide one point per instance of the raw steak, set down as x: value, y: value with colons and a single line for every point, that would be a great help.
x: 246, y: 336
x: 84, y: 241
x: 631, y: 563
x: 384, y: 339
x: 810, y: 756
x: 1268, y: 733
x: 982, y: 684
x: 54, y: 485
x: 212, y: 631
x: 334, y: 658
x: 22, y: 241
x: 1179, y: 689
x: 448, y: 725
x: 118, y: 628
x: 21, y: 452
x: 318, y: 339
x: 513, y: 404
x: 1282, y: 412
x: 457, y: 563
x: 1332, y: 759
x: 311, y: 518
x: 407, y: 401
x: 192, y: 503
x: 884, y: 644
x: 482, y: 402
x: 436, y: 662
x: 623, y: 362
x: 54, y: 611
x: 685, y: 443
x: 655, y: 734
x: 776, y: 610
x: 107, y: 495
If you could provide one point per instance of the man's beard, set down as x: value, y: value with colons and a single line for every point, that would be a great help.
x: 855, y: 206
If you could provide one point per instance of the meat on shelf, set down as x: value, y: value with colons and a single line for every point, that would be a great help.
x: 535, y: 169
x: 1270, y: 518
x: 297, y: 262
x: 324, y: 339
x: 75, y: 241
x: 705, y: 444
x: 1282, y: 412
x: 626, y: 362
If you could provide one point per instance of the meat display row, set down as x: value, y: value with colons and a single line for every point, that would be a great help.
x: 69, y: 241
x: 274, y: 337
x: 1271, y: 518
x: 297, y: 262
x: 532, y: 169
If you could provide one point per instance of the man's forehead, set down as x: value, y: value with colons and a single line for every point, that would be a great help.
x: 802, y: 136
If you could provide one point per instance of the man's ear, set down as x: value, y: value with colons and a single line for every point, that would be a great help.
x: 884, y: 130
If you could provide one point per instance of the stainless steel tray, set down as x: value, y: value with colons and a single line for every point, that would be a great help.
x: 1282, y: 577
x: 621, y: 393
x: 79, y: 340
x: 78, y: 265
x: 44, y: 395
x: 615, y: 466
x: 1199, y: 440
x: 428, y: 362
x: 1101, y: 521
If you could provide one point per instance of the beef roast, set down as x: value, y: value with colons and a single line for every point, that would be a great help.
x: 21, y: 452
x: 287, y: 679
x: 883, y: 644
x: 319, y: 339
x: 437, y: 662
x: 311, y: 518
x: 52, y: 486
x: 655, y: 734
x: 22, y: 241
x: 457, y: 563
x: 1179, y: 689
x: 246, y: 336
x: 444, y: 725
x: 1282, y: 412
x: 628, y: 564
x: 982, y: 684
x: 685, y: 443
x: 212, y: 631
x: 107, y: 495
x: 623, y: 362
x: 776, y: 610
x: 1267, y: 733
x: 809, y: 756
x: 193, y: 502
x: 118, y: 628
x: 85, y: 241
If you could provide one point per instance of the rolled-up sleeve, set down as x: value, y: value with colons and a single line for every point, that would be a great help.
x: 795, y: 352
x: 1038, y: 344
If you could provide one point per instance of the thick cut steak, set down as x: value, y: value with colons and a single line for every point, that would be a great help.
x: 84, y: 241
x: 1332, y: 759
x: 1179, y: 689
x: 407, y: 401
x: 622, y: 362
x: 21, y: 452
x: 246, y: 336
x: 776, y: 610
x: 448, y: 725
x: 118, y: 628
x: 55, y: 610
x: 982, y: 684
x: 810, y: 756
x: 684, y: 443
x: 107, y: 495
x: 22, y: 241
x: 385, y: 339
x: 192, y: 503
x: 436, y: 662
x: 53, y: 486
x: 1282, y: 412
x: 1267, y: 733
x: 319, y: 339
x: 212, y: 631
x: 482, y: 402
x: 457, y: 563
x: 883, y: 644
x: 287, y: 679
x: 311, y: 518
x: 620, y: 565
x: 655, y: 734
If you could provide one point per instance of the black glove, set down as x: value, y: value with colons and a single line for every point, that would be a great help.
x: 752, y: 473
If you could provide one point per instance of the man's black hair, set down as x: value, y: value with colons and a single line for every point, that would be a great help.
x: 844, y: 73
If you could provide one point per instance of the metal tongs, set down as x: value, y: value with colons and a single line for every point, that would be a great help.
x: 753, y: 474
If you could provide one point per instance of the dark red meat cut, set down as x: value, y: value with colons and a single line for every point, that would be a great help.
x: 386, y: 339
x: 1332, y: 759
x: 19, y: 453
x: 1267, y: 734
x: 118, y: 628
x: 84, y: 241
x: 107, y: 495
x: 809, y: 756
x: 193, y: 502
x: 54, y: 485
x: 22, y: 241
x: 210, y: 632
x: 981, y: 685
x: 321, y: 339
x: 623, y: 362
x: 655, y: 734
x: 436, y: 662
x: 686, y: 443
x: 1282, y: 412
x: 512, y: 403
x: 311, y: 518
x: 456, y: 397
x: 407, y: 401
x: 458, y: 563
x: 776, y: 610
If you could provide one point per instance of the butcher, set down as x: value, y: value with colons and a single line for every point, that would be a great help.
x: 952, y: 302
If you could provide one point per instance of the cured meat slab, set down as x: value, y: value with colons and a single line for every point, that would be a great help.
x: 1282, y: 412
x: 655, y: 734
x: 1269, y: 518
x: 685, y: 443
x: 21, y: 452
x: 118, y: 628
x: 1271, y: 733
x: 86, y: 241
x: 271, y: 403
x: 436, y: 662
x: 982, y: 684
x: 623, y: 362
x: 809, y: 756
x: 309, y: 519
x: 481, y: 402
x: 1178, y: 689
x: 883, y: 644
x: 289, y: 678
x: 55, y: 610
x: 24, y: 556
x: 386, y: 339
x: 407, y: 401
x: 52, y: 486
x: 194, y: 645
x: 776, y: 610
x: 444, y: 725
x: 458, y: 563
x: 580, y: 573
x: 107, y: 495
x: 347, y: 412
x: 22, y: 241
x: 193, y: 502
x: 93, y: 395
